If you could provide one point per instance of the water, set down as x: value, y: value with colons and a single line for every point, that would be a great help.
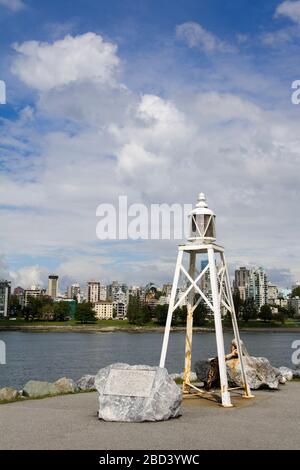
x: 49, y: 356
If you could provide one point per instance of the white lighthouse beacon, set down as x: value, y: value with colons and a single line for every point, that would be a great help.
x: 206, y: 280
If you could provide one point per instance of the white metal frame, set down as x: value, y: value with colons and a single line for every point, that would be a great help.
x: 221, y: 296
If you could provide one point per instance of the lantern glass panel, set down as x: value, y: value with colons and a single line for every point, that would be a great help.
x: 210, y: 224
x: 200, y: 222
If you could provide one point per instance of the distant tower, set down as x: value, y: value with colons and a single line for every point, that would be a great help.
x: 202, y: 244
x: 53, y: 286
x: 93, y: 292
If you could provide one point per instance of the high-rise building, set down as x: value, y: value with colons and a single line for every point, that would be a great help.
x: 53, y: 286
x: 73, y: 291
x: 112, y: 289
x: 103, y: 293
x: 167, y: 288
x: 273, y: 294
x: 259, y: 280
x: 35, y: 292
x: 5, y: 291
x: 252, y: 283
x: 241, y: 282
x: 93, y: 292
x: 19, y: 293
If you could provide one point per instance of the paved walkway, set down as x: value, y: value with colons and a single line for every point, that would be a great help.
x: 270, y: 421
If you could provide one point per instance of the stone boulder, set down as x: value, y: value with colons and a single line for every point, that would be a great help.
x: 8, y: 394
x: 296, y: 374
x: 38, y: 389
x: 86, y: 383
x: 137, y: 393
x: 66, y: 385
x: 260, y: 373
x: 286, y: 373
x: 281, y: 379
x: 201, y: 369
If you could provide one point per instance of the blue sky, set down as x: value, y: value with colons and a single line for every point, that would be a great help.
x: 70, y: 140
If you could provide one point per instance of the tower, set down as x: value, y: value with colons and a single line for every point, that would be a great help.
x: 53, y: 286
x: 202, y: 246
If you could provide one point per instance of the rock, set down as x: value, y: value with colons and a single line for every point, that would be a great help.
x: 286, y: 373
x: 66, y: 385
x: 8, y: 394
x: 86, y: 383
x: 158, y: 399
x: 296, y: 374
x: 201, y: 369
x: 38, y: 389
x: 259, y: 372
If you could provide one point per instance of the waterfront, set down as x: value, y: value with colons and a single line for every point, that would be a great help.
x: 48, y: 356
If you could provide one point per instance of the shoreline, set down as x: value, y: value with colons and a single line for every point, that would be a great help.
x: 137, y: 329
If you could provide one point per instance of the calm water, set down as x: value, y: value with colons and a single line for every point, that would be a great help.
x: 48, y: 356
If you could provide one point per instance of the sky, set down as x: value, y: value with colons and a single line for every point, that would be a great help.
x: 155, y: 100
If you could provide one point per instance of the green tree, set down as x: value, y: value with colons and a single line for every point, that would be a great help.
x: 296, y: 292
x: 160, y: 313
x: 61, y: 311
x: 142, y: 316
x: 47, y: 311
x: 85, y: 313
x: 133, y: 309
x: 282, y: 315
x: 249, y: 311
x: 265, y: 313
x: 33, y: 309
x: 238, y: 303
x: 200, y: 314
x: 15, y: 307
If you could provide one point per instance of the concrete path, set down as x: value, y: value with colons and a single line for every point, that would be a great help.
x: 270, y: 421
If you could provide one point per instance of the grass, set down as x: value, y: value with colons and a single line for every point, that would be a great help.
x: 23, y: 398
x: 74, y: 323
x: 290, y: 323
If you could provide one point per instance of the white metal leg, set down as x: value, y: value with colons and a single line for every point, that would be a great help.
x: 189, y: 327
x: 248, y: 393
x: 170, y: 310
x: 225, y: 395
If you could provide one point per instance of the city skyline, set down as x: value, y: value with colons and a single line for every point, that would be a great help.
x: 156, y: 107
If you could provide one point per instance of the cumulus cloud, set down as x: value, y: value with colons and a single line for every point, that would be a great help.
x: 103, y: 140
x: 45, y: 66
x: 13, y: 5
x: 194, y: 35
x: 289, y: 9
x: 29, y: 276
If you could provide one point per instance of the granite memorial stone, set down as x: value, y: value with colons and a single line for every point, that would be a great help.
x: 137, y: 393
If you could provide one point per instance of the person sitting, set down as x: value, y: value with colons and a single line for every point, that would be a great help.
x: 213, y: 377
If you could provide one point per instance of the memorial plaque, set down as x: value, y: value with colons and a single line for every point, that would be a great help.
x: 130, y: 383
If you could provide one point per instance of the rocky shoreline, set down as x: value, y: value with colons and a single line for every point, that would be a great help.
x: 35, y: 389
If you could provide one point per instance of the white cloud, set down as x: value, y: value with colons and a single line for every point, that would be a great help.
x: 44, y: 66
x: 106, y: 140
x: 196, y: 36
x: 29, y: 276
x: 289, y: 9
x: 13, y: 5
